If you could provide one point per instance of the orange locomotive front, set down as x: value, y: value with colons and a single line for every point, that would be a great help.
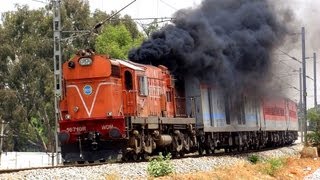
x: 100, y: 98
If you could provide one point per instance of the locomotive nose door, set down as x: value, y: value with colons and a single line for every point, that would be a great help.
x: 129, y: 93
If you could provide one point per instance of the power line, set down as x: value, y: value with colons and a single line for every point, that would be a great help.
x: 172, y: 7
x: 40, y: 1
x: 281, y: 61
x: 287, y: 65
x: 275, y: 76
x: 98, y: 25
x: 152, y: 18
x: 169, y: 5
x: 294, y: 58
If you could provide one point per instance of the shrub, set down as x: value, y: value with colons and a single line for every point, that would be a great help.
x: 253, y: 158
x: 273, y: 165
x: 313, y: 138
x: 160, y: 166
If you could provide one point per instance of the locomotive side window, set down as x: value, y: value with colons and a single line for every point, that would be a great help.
x: 128, y: 80
x: 143, y: 85
x: 115, y: 71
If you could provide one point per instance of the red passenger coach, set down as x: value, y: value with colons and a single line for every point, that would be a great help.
x: 280, y: 114
x: 274, y: 113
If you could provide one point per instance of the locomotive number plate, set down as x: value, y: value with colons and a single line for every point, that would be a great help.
x: 76, y: 129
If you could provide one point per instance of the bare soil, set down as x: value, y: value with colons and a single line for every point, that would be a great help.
x: 293, y: 168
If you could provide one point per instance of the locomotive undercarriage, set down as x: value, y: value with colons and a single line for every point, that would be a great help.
x: 146, y: 139
x: 149, y: 139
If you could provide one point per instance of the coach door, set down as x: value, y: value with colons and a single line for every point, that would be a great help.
x: 129, y: 93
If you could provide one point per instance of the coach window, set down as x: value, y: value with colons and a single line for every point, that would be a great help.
x: 128, y: 80
x: 168, y: 96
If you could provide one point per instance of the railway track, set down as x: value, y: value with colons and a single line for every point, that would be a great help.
x: 193, y: 155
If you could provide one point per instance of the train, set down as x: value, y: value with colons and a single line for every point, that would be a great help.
x: 113, y: 108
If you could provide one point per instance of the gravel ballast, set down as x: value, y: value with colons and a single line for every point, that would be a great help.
x: 139, y: 170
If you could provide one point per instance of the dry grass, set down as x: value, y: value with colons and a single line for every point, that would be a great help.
x: 292, y: 168
x: 113, y: 176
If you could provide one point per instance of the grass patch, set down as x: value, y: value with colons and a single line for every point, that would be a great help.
x: 271, y: 166
x: 160, y: 166
x: 254, y: 159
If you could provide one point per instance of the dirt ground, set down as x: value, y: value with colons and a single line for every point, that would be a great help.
x: 292, y: 168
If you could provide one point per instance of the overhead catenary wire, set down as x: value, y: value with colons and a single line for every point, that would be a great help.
x: 169, y: 5
x: 39, y: 1
x: 287, y: 65
x: 275, y: 76
x: 292, y: 57
x: 97, y: 26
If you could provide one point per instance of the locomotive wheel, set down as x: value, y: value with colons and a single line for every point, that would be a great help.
x: 144, y: 156
x: 174, y: 154
x: 210, y: 147
x: 67, y: 163
x: 181, y: 153
x: 134, y: 157
x: 228, y: 149
x: 200, y: 150
x: 245, y: 147
x: 125, y: 157
x: 80, y: 162
x: 186, y: 143
x: 208, y: 151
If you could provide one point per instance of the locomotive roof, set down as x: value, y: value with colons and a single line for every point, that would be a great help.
x: 129, y: 64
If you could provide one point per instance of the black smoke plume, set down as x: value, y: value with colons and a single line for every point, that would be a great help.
x: 224, y: 41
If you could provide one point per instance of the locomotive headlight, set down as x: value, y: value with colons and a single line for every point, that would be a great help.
x: 71, y: 64
x: 76, y: 109
x: 85, y: 61
x: 68, y: 116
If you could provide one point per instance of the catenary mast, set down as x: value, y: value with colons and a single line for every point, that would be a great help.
x: 57, y: 55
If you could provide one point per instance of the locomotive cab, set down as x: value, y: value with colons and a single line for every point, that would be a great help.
x: 91, y: 109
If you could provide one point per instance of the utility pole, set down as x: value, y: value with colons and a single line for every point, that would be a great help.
x: 301, y: 105
x: 57, y: 56
x: 304, y: 83
x: 315, y: 79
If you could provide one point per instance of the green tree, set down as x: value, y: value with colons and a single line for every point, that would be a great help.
x: 26, y: 45
x: 314, y: 118
x: 116, y: 41
x: 150, y: 28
